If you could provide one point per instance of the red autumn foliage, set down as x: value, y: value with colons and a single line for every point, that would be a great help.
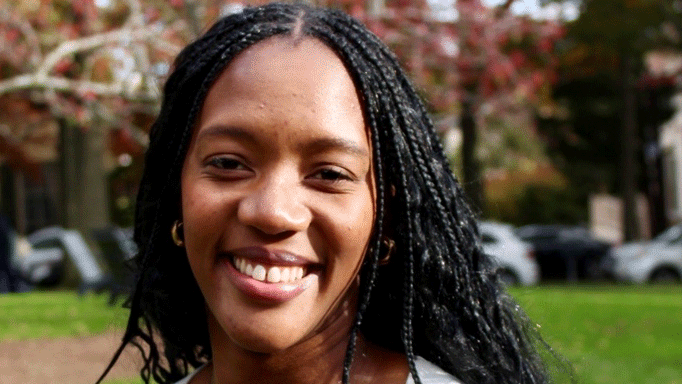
x: 488, y: 54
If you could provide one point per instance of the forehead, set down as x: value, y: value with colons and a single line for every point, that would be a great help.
x: 283, y: 55
x: 283, y: 66
x: 291, y: 82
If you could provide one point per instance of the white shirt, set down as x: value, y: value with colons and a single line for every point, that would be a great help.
x: 429, y: 373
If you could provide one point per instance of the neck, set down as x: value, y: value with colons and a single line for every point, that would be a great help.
x: 316, y: 360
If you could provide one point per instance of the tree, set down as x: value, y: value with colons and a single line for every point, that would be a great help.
x: 601, y: 76
x: 488, y: 68
x: 96, y: 69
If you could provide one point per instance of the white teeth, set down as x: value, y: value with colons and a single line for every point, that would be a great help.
x: 270, y: 274
x: 259, y: 272
x: 273, y: 275
x: 284, y: 275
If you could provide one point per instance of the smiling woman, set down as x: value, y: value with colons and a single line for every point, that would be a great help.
x: 277, y: 179
x: 297, y: 222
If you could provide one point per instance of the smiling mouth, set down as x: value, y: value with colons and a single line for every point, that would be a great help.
x: 268, y: 273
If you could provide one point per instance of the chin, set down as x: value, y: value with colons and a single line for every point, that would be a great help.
x: 258, y: 336
x: 262, y: 343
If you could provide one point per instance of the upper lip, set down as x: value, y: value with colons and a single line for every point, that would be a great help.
x: 270, y: 256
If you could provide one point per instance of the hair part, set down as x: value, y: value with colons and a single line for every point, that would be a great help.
x: 454, y: 311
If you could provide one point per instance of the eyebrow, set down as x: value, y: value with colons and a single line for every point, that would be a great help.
x: 229, y: 131
x: 338, y: 144
x: 314, y: 146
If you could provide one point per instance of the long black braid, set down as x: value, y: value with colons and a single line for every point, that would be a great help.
x: 454, y: 312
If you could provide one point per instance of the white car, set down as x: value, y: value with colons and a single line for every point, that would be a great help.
x: 515, y: 260
x: 659, y: 260
x: 52, y: 247
x: 37, y: 266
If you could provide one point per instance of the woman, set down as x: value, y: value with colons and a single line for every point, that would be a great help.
x: 297, y: 221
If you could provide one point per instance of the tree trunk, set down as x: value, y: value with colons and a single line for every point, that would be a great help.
x: 470, y: 166
x: 628, y: 164
x: 85, y: 189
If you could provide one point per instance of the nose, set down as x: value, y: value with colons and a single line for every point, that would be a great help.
x: 275, y: 206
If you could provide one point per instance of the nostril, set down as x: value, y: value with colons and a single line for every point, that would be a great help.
x: 272, y: 234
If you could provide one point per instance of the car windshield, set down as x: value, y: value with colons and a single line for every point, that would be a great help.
x: 671, y: 235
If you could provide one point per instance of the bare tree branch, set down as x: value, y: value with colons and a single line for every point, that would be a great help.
x: 35, y: 81
x: 125, y: 35
x: 135, y: 17
x: 507, y: 4
x: 504, y: 8
x: 166, y: 46
x: 41, y: 78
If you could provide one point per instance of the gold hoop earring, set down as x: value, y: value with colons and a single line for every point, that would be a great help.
x: 177, y: 233
x: 389, y: 246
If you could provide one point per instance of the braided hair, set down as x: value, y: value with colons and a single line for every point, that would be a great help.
x: 454, y: 311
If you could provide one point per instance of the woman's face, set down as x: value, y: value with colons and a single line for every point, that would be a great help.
x: 278, y: 195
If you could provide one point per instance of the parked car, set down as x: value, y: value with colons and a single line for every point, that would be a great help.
x: 655, y: 261
x: 54, y: 241
x: 117, y: 248
x: 17, y: 249
x: 514, y: 257
x: 565, y: 252
x: 41, y: 267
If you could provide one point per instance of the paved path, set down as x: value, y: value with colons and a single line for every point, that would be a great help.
x: 64, y: 360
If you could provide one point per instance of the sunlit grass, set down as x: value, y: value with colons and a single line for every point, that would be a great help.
x: 612, y: 333
x: 33, y: 315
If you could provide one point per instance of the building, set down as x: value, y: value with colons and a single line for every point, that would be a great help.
x: 661, y: 64
x: 670, y: 141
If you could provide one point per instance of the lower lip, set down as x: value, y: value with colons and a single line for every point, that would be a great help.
x: 267, y: 292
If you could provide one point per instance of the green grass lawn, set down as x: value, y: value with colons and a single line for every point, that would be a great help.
x: 56, y: 314
x: 34, y: 315
x: 611, y: 333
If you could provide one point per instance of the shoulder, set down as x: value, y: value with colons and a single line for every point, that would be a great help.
x: 430, y: 373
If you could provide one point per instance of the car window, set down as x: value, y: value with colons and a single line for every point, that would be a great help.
x: 486, y: 238
x: 48, y: 243
x: 541, y: 237
x: 671, y: 235
x: 575, y: 233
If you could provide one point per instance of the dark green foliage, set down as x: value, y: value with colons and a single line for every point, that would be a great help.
x: 540, y: 204
x: 586, y: 140
x: 585, y: 145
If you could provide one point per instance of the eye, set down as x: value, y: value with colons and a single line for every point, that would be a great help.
x: 226, y: 163
x: 331, y: 175
x: 224, y: 167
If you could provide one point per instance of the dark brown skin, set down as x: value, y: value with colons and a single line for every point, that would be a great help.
x: 317, y: 360
x: 291, y: 173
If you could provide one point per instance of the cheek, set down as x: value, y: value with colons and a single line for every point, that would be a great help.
x: 202, y: 205
x: 354, y: 227
x: 202, y: 214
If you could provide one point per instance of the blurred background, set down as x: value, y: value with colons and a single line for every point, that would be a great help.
x: 562, y: 119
